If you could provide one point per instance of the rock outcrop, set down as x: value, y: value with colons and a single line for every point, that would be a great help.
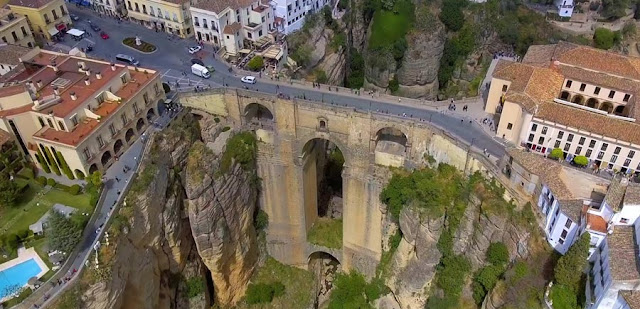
x: 418, y: 74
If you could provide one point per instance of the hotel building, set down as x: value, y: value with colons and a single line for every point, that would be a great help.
x: 171, y: 16
x: 45, y: 17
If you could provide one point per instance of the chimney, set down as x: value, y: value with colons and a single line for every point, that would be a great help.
x: 73, y: 96
x: 88, y: 72
x: 81, y: 65
x: 98, y: 75
x: 87, y: 81
x: 113, y: 67
x: 56, y: 91
x: 39, y: 83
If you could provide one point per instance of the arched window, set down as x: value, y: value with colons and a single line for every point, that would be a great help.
x: 41, y: 121
x: 61, y: 125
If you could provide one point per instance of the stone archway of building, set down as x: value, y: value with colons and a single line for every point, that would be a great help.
x: 578, y: 99
x: 117, y: 147
x: 150, y: 114
x: 93, y: 168
x: 606, y: 106
x: 593, y: 103
x: 565, y: 95
x: 323, y: 163
x: 256, y: 113
x: 140, y: 125
x: 128, y: 135
x: 619, y: 110
x: 324, y: 267
x: 106, y: 158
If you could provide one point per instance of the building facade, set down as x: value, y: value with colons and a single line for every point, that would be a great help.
x: 565, y: 7
x: 83, y: 110
x: 45, y: 17
x: 293, y: 12
x: 571, y: 97
x: 229, y: 24
x: 15, y: 30
x: 10, y: 57
x: 171, y: 16
x: 109, y: 7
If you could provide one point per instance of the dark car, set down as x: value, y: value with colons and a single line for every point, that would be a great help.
x: 95, y: 27
x: 197, y: 61
x: 74, y: 17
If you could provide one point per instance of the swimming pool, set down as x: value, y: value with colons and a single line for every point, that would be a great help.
x: 17, y: 275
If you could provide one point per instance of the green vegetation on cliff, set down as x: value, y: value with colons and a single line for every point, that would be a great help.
x: 326, y: 232
x: 568, y: 290
x: 240, y: 148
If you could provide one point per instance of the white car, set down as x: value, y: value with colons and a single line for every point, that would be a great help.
x: 248, y: 79
x: 194, y: 49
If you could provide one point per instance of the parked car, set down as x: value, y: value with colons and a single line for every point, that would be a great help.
x: 74, y: 17
x: 210, y: 68
x: 95, y: 27
x: 104, y: 35
x: 197, y: 61
x: 248, y: 79
x: 195, y: 49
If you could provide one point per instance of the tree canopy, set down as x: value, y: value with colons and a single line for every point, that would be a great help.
x: 9, y: 191
x: 63, y: 234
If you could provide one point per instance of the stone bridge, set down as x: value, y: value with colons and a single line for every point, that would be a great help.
x: 290, y: 133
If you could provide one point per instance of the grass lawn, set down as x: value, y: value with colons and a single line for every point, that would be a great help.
x: 326, y: 232
x: 388, y: 27
x: 298, y: 291
x: 27, y: 212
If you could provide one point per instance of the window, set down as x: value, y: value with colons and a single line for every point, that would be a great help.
x: 557, y: 144
x: 100, y: 98
x: 560, y: 134
x: 259, y: 33
x: 596, y: 91
x: 112, y: 129
x: 100, y: 141
x: 123, y: 78
x: 136, y: 109
x: 582, y: 139
x: 564, y: 234
x: 249, y: 35
x: 588, y: 154
x: 627, y: 162
x: 617, y: 150
x: 604, y: 146
x: 63, y: 11
x: 124, y: 119
x: 24, y: 31
x: 137, y: 7
x: 624, y: 220
x: 175, y: 17
x: 4, y: 39
x: 541, y: 140
x: 159, y: 11
x: 578, y: 150
x: 504, y: 88
x: 611, y: 93
x: 626, y: 97
x: 592, y: 143
x: 41, y: 121
x: 196, y: 21
x: 152, y: 11
x: 509, y: 126
x: 204, y: 24
x: 534, y: 127
x: 600, y: 155
x: 46, y: 18
x: 561, y: 241
x: 544, y: 130
x: 614, y: 158
x: 15, y: 37
x: 55, y: 15
x: 631, y: 153
x: 50, y: 123
x: 74, y: 120
x: 583, y: 86
x: 530, y: 138
x: 61, y: 125
x: 570, y: 138
x: 86, y: 153
x: 567, y: 146
x: 568, y: 85
x: 568, y: 223
x: 145, y: 96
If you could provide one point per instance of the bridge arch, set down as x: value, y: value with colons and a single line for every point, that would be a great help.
x: 392, y: 134
x: 256, y: 113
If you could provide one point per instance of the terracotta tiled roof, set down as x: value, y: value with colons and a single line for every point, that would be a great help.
x: 16, y: 111
x: 10, y: 54
x: 4, y: 137
x: 217, y: 6
x: 232, y: 29
x: 623, y: 253
x: 73, y: 138
x: 539, y: 54
x: 546, y: 169
x: 632, y: 298
x: 12, y: 90
x: 572, y: 208
x: 597, y: 60
x: 614, y: 195
x: 530, y: 85
x: 596, y: 223
x: 30, y: 3
x: 632, y: 195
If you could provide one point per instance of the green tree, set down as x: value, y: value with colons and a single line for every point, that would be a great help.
x: 256, y: 63
x: 63, y: 234
x: 603, y: 38
x: 614, y: 9
x: 355, y: 79
x: 43, y: 162
x: 65, y: 167
x: 451, y: 14
x: 581, y: 160
x: 349, y: 292
x: 95, y: 179
x: 556, y: 153
x: 497, y: 253
x: 394, y: 85
x: 9, y: 190
x: 570, y: 267
x: 563, y: 297
x: 320, y: 76
x: 52, y: 161
x: 263, y: 293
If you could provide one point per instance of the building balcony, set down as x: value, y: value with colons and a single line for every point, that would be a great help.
x: 252, y: 26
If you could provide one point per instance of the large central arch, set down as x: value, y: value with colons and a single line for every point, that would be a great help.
x: 258, y: 114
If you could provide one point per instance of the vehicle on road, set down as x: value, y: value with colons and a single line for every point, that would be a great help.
x: 127, y: 59
x: 199, y: 70
x: 104, y: 35
x: 248, y: 79
x: 197, y: 61
x: 195, y: 49
x: 210, y: 68
x: 95, y: 27
x: 74, y: 17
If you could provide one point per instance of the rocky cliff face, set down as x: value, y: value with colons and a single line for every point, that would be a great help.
x: 418, y: 74
x: 165, y: 239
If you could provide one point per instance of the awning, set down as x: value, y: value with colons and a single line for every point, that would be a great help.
x: 76, y: 32
x: 273, y: 52
x: 53, y: 31
x: 244, y: 51
x: 61, y: 27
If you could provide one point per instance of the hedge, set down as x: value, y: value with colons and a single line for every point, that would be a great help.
x: 556, y: 153
x: 42, y: 180
x: 74, y: 189
x: 43, y: 162
x: 80, y: 174
x: 65, y: 167
x: 51, y: 182
x: 52, y: 161
x: 581, y: 160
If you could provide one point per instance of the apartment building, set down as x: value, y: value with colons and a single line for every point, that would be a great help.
x: 228, y: 24
x: 171, y: 16
x: 45, y: 17
x: 15, y: 30
x: 576, y: 98
x: 10, y: 57
x: 293, y: 12
x: 85, y: 110
x: 565, y: 7
x: 109, y: 7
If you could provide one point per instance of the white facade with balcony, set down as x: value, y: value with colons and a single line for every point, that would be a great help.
x: 565, y: 7
x: 561, y: 225
x: 293, y: 12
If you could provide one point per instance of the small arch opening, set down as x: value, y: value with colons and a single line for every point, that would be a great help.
x: 578, y: 99
x: 93, y: 168
x: 565, y: 95
x: 607, y: 107
x: 106, y: 158
x: 129, y: 135
x: 593, y: 103
x: 258, y: 115
x: 117, y: 146
x: 140, y: 125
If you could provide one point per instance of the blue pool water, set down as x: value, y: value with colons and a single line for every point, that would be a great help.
x: 17, y: 275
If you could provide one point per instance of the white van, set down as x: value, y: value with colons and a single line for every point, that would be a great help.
x: 127, y: 59
x: 200, y: 71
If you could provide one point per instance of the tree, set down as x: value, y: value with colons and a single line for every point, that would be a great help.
x: 603, y: 38
x: 570, y: 267
x: 52, y: 161
x: 394, y: 85
x: 581, y: 160
x: 556, y: 153
x: 563, y: 297
x: 62, y: 233
x: 256, y: 63
x: 614, y: 9
x: 349, y: 292
x: 95, y: 179
x: 320, y: 76
x: 497, y: 253
x: 9, y: 190
x: 65, y: 167
x: 451, y: 15
x: 43, y: 162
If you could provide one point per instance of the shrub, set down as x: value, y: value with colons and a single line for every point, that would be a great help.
x: 74, y: 189
x: 42, y: 180
x: 451, y: 15
x: 320, y: 76
x: 51, y: 182
x: 520, y: 270
x: 216, y: 119
x: 225, y: 129
x: 43, y: 162
x: 497, y: 253
x: 65, y: 167
x: 581, y: 160
x: 556, y: 153
x: 52, y: 162
x: 80, y: 174
x: 348, y: 289
x: 263, y: 293
x: 394, y: 85
x: 342, y: 5
x: 603, y: 38
x: 563, y: 297
x: 195, y: 286
x: 262, y: 220
x: 256, y: 63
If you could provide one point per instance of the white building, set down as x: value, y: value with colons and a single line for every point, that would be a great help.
x: 108, y: 7
x: 293, y: 12
x: 232, y: 24
x: 565, y: 7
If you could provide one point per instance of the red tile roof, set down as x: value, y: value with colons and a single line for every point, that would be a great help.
x: 596, y: 223
x: 72, y: 138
